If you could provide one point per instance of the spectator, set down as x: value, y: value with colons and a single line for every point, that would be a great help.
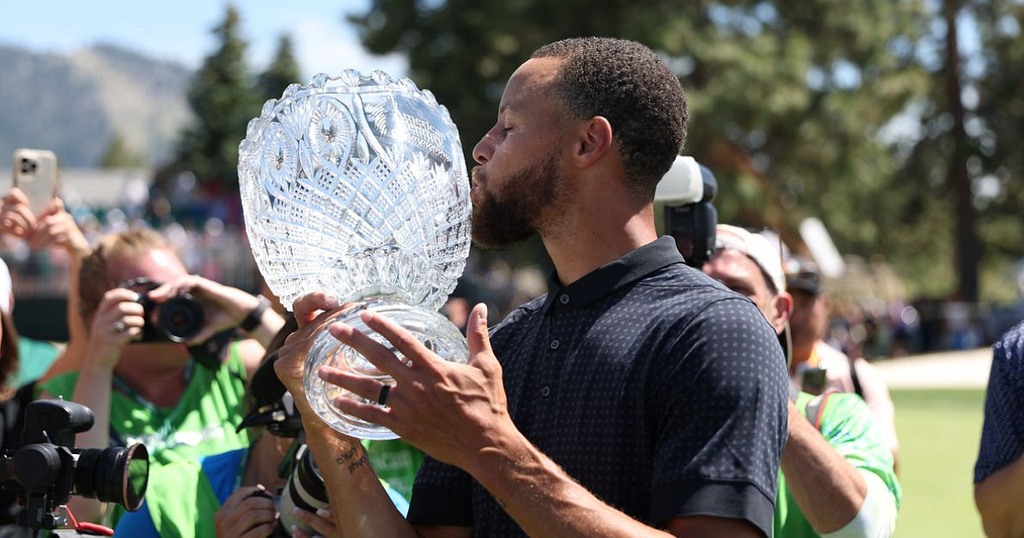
x: 54, y: 227
x: 837, y: 476
x: 616, y: 408
x: 153, y: 392
x: 818, y: 367
x: 999, y: 471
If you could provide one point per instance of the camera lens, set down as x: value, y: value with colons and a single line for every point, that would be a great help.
x: 118, y: 475
x: 305, y: 489
x: 181, y: 318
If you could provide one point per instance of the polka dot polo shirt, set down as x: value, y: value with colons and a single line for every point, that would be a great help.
x: 656, y: 388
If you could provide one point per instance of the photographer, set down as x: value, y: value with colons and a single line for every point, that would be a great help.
x: 53, y: 227
x: 837, y: 477
x: 229, y: 495
x: 142, y: 386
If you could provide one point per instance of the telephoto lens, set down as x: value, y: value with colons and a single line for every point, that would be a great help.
x: 113, y: 475
x: 305, y: 489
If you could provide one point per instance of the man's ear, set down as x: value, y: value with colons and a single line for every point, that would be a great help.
x: 782, y: 306
x: 594, y: 139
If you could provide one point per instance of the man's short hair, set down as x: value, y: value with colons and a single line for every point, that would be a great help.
x: 95, y: 278
x: 630, y: 86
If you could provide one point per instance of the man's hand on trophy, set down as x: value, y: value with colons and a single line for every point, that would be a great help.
x: 118, y: 321
x: 450, y: 411
x: 312, y: 312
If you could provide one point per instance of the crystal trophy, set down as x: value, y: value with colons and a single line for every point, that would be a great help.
x: 356, y: 186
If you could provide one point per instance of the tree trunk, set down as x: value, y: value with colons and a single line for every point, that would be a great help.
x: 967, y: 252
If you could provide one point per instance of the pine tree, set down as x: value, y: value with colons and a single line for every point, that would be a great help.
x: 281, y: 72
x: 223, y: 101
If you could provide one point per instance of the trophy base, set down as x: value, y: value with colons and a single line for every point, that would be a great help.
x: 431, y: 328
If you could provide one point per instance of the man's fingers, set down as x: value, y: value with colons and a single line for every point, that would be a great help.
x: 240, y: 495
x: 367, y: 387
x: 477, y: 335
x: 402, y: 339
x: 261, y: 531
x: 321, y: 525
x: 371, y: 413
x: 306, y: 307
x: 374, y: 352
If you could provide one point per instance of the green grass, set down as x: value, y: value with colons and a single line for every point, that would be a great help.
x: 939, y: 432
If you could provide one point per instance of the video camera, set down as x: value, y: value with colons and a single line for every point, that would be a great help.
x: 687, y: 190
x: 47, y: 470
x: 275, y: 410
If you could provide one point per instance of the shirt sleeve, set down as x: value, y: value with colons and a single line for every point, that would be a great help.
x: 441, y: 495
x: 849, y: 427
x: 1002, y: 436
x: 879, y: 401
x: 719, y: 393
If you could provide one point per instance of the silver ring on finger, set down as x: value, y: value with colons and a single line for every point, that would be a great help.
x: 119, y: 327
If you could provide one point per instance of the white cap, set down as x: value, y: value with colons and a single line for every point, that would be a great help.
x: 6, y: 288
x: 756, y: 247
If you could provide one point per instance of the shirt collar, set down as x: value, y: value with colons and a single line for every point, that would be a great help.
x: 602, y: 281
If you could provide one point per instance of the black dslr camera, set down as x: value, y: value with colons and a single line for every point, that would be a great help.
x: 274, y: 409
x: 47, y: 470
x: 177, y: 319
x: 687, y: 190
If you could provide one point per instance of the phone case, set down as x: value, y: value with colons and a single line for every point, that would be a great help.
x: 35, y: 173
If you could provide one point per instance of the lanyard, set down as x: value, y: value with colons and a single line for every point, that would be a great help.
x: 165, y: 429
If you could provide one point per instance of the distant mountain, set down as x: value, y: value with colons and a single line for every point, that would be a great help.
x: 74, y: 104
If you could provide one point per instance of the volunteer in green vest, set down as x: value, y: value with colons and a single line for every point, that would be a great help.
x: 837, y: 478
x: 154, y: 392
x: 228, y: 494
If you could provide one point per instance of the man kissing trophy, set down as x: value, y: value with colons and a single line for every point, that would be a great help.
x: 356, y: 186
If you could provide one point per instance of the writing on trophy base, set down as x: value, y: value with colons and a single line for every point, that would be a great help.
x: 356, y: 186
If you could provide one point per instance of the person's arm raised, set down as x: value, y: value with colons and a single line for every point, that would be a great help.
x: 457, y: 413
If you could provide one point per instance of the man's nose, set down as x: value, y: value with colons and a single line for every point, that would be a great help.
x: 484, y: 149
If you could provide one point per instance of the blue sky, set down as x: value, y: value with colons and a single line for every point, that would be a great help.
x: 180, y: 30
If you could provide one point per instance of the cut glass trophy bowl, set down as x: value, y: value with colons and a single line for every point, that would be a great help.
x: 356, y: 186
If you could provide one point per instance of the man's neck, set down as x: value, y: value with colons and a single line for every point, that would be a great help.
x: 801, y: 354
x: 598, y: 236
x: 158, y: 376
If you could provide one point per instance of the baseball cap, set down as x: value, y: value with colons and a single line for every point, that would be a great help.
x: 767, y: 257
x: 802, y: 275
x: 756, y: 247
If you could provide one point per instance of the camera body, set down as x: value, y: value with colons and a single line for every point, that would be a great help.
x: 48, y: 469
x: 687, y: 190
x: 177, y: 319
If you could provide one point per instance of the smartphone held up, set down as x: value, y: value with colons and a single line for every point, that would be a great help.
x: 35, y: 173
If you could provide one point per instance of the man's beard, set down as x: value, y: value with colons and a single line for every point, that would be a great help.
x: 512, y: 214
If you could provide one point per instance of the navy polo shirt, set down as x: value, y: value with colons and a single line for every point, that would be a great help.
x: 655, y: 387
x: 1002, y: 436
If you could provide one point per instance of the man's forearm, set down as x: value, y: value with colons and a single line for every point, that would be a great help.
x: 828, y: 489
x: 999, y: 499
x: 546, y: 502
x: 359, y: 504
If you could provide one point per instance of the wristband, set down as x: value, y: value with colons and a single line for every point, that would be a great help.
x: 255, y: 317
